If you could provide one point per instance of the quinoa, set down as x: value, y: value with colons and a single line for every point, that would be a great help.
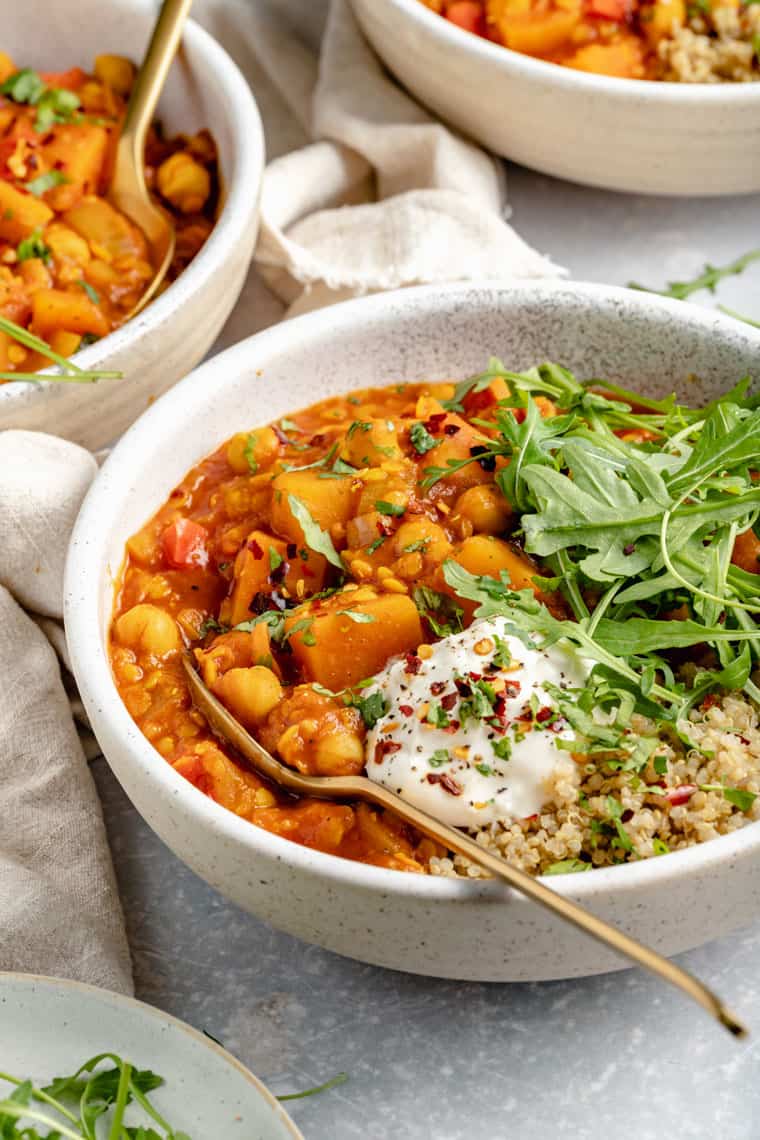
x: 715, y: 46
x: 575, y: 823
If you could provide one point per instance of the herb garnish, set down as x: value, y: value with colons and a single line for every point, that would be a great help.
x: 384, y: 508
x: 44, y: 182
x: 442, y: 613
x: 708, y: 278
x: 316, y: 538
x: 79, y: 1101
x: 421, y: 439
x: 69, y: 371
x: 33, y: 246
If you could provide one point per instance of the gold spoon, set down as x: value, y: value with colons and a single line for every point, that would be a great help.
x: 127, y: 191
x: 362, y: 788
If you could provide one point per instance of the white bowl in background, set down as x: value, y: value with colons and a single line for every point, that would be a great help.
x: 50, y: 1026
x: 174, y: 332
x: 442, y: 927
x: 621, y: 134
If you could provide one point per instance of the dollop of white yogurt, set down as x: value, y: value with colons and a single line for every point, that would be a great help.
x: 470, y: 734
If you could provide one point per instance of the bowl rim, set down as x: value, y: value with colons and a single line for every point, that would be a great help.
x: 86, y: 562
x: 240, y: 201
x: 648, y: 91
x: 147, y: 1012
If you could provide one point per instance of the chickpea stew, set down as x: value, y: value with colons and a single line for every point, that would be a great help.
x: 72, y: 267
x: 358, y: 540
x: 713, y: 41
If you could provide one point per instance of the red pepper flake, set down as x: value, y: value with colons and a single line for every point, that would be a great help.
x: 709, y: 702
x: 680, y: 795
x: 451, y: 429
x: 292, y: 550
x: 544, y: 714
x: 451, y: 728
x: 413, y: 663
x: 435, y: 421
x: 449, y: 701
x: 448, y: 783
x: 437, y: 688
x: 406, y: 710
x: 255, y: 549
x: 385, y: 748
x: 512, y: 689
x: 475, y: 676
x: 306, y: 571
x: 316, y: 440
x: 281, y: 434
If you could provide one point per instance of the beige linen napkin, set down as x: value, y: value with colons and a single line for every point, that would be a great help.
x: 58, y: 901
x: 387, y: 197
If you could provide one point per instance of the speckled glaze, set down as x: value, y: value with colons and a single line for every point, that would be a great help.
x: 444, y: 928
x: 621, y: 134
x: 173, y: 333
x: 49, y: 1026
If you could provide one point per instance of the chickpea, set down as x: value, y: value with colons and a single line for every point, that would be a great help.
x: 250, y: 694
x: 370, y: 443
x: 418, y: 531
x: 116, y: 71
x: 66, y: 244
x: 339, y: 754
x: 149, y: 630
x: 184, y: 182
x: 250, y: 451
x: 485, y: 507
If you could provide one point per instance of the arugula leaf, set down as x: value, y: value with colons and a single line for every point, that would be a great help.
x: 567, y: 867
x: 385, y: 508
x: 707, y: 279
x: 316, y: 538
x: 372, y: 708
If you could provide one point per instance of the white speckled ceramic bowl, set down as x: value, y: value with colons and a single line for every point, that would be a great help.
x: 174, y: 332
x: 48, y: 1027
x: 443, y: 927
x: 621, y: 134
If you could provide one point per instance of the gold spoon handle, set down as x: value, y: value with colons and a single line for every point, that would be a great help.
x: 580, y: 917
x: 151, y: 75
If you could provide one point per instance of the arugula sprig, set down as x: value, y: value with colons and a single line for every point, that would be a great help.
x: 69, y: 372
x: 73, y: 1105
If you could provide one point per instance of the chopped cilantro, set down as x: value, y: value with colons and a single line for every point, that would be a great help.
x: 502, y: 657
x: 502, y: 748
x: 739, y: 797
x: 385, y: 508
x: 44, y: 182
x: 249, y: 451
x: 275, y: 559
x: 316, y: 538
x: 437, y: 716
x: 357, y: 616
x: 660, y: 847
x: 211, y: 625
x: 567, y: 867
x: 33, y: 246
x: 421, y: 544
x: 421, y: 439
x: 372, y: 708
x: 660, y: 765
x: 91, y: 293
x: 442, y: 613
x: 484, y: 769
x: 373, y: 546
x: 439, y: 758
x: 24, y: 86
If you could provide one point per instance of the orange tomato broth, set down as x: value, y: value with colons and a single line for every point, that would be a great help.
x: 71, y: 266
x: 227, y: 545
x: 606, y: 37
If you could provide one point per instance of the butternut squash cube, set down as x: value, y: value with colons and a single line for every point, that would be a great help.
x: 330, y: 502
x: 337, y: 650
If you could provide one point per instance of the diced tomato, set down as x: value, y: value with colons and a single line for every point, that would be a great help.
x: 183, y: 544
x: 680, y: 795
x: 72, y: 79
x: 467, y: 14
x: 609, y: 9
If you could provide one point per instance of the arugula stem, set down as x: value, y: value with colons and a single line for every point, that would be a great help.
x: 41, y: 1095
x: 153, y: 1112
x: 738, y: 316
x: 601, y: 607
x: 125, y: 1076
x: 24, y: 1112
x: 340, y: 1079
x: 570, y: 586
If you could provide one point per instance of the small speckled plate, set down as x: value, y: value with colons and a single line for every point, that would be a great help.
x: 48, y: 1027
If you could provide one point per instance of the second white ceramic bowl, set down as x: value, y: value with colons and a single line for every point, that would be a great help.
x: 621, y: 134
x: 174, y: 332
x: 442, y: 927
